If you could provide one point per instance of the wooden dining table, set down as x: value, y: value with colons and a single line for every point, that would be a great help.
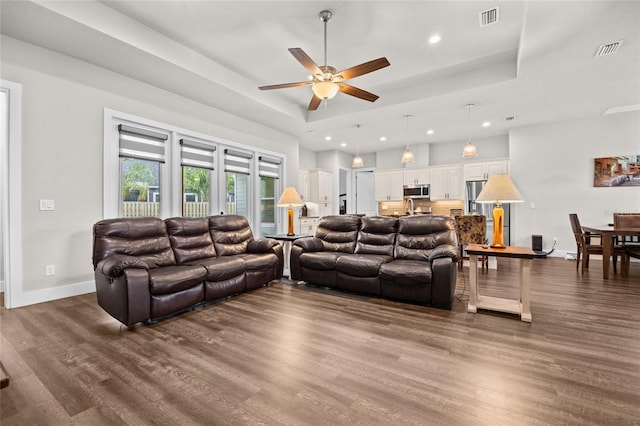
x: 609, y: 234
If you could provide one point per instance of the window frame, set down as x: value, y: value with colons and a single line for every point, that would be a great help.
x: 171, y: 171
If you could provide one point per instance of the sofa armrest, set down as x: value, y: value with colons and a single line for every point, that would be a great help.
x: 443, y: 282
x: 445, y: 250
x: 114, y: 265
x: 309, y: 244
x: 264, y: 245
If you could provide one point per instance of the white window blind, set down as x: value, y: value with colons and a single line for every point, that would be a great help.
x: 269, y: 167
x: 197, y: 154
x: 237, y: 161
x: 141, y: 144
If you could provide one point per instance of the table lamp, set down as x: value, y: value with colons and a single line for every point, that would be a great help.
x: 499, y: 189
x: 290, y: 198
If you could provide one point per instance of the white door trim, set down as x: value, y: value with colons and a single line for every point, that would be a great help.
x: 11, y: 157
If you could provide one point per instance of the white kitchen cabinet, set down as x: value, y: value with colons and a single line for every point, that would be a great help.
x: 303, y: 185
x: 446, y: 183
x: 308, y: 225
x: 389, y: 185
x: 416, y: 176
x: 482, y: 170
x: 320, y: 186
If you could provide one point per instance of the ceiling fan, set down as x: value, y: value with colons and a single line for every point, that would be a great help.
x: 326, y: 81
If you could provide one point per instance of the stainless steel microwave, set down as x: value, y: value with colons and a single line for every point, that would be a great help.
x: 420, y: 191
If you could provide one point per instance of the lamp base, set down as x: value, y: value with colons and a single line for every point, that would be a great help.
x: 498, y: 227
x: 290, y: 235
x: 290, y: 222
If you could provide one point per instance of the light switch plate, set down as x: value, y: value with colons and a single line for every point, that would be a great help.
x: 47, y: 205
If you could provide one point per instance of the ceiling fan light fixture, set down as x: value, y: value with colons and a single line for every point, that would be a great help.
x: 325, y: 89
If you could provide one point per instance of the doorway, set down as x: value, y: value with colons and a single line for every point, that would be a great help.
x: 365, y: 193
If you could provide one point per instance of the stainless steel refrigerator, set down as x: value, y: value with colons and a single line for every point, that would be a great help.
x: 473, y: 189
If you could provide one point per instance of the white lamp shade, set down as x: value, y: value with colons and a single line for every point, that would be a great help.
x: 470, y: 150
x: 357, y: 162
x: 325, y: 89
x: 407, y: 157
x: 290, y: 198
x: 499, y: 189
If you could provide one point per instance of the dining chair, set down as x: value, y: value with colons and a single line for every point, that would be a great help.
x: 630, y: 251
x: 471, y: 229
x: 627, y: 220
x: 586, y: 247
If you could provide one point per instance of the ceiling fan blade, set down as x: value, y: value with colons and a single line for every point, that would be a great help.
x: 363, y: 68
x: 285, y: 85
x: 315, y: 103
x: 358, y: 93
x: 305, y: 60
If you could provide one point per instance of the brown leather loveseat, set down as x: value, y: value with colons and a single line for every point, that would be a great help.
x: 148, y: 268
x: 412, y: 258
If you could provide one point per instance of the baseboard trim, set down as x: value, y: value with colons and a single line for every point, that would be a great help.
x: 49, y: 294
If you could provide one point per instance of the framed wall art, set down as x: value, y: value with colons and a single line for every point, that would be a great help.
x: 616, y: 171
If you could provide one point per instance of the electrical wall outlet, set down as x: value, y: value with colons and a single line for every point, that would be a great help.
x: 49, y: 270
x: 555, y: 240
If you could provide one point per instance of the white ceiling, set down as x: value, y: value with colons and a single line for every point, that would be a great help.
x: 536, y: 64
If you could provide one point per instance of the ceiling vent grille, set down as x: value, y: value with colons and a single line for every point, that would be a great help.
x: 490, y: 16
x: 608, y: 49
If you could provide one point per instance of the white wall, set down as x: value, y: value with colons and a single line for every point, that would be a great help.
x: 63, y: 103
x: 552, y: 166
x: 307, y: 159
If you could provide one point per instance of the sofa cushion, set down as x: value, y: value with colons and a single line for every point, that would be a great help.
x: 231, y: 234
x: 143, y: 237
x: 221, y: 268
x: 361, y: 265
x: 377, y: 235
x: 322, y: 261
x: 258, y: 261
x: 406, y: 272
x: 172, y: 279
x: 338, y: 233
x: 425, y: 237
x: 190, y: 238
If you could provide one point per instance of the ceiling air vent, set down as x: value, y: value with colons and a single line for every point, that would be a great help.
x: 490, y: 16
x: 608, y: 49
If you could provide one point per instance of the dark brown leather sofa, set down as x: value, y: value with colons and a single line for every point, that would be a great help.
x: 149, y: 268
x: 412, y: 258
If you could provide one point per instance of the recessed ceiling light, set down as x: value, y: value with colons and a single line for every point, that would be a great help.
x: 430, y: 132
x: 486, y: 124
x: 383, y: 138
x: 327, y: 138
x: 343, y: 144
x: 434, y: 39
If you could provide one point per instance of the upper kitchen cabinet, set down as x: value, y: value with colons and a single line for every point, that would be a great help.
x: 482, y: 170
x: 389, y: 185
x: 303, y: 185
x: 416, y: 176
x: 446, y: 183
x: 321, y: 186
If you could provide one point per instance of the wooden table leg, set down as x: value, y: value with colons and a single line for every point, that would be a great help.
x: 525, y: 287
x: 607, y: 249
x: 473, y: 279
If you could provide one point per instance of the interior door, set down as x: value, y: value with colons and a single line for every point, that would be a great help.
x: 365, y: 194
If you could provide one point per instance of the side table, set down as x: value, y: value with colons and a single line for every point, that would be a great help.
x: 520, y: 307
x: 287, y: 240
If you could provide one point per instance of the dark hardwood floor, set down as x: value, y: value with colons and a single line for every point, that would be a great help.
x: 302, y: 355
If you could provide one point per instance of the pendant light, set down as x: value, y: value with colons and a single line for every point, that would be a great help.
x: 470, y: 149
x: 407, y: 156
x: 357, y: 162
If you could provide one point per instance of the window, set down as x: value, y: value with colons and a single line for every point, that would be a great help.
x: 197, y: 163
x: 269, y: 171
x: 155, y: 169
x: 237, y: 167
x: 141, y: 153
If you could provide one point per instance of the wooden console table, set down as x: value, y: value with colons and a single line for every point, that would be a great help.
x: 520, y: 307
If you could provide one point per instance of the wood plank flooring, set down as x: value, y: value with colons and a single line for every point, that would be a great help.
x: 286, y: 355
